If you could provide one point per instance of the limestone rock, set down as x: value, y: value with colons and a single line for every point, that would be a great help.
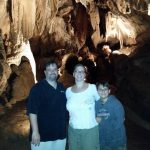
x: 23, y: 82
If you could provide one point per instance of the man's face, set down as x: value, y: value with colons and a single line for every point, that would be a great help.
x: 103, y: 91
x: 51, y: 72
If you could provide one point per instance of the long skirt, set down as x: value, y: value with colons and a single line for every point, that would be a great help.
x: 83, y: 139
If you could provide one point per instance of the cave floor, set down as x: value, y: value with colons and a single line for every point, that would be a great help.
x: 14, y: 127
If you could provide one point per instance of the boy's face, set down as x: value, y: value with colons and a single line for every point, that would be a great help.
x: 103, y: 91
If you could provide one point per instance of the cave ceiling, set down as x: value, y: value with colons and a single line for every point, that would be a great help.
x: 68, y: 23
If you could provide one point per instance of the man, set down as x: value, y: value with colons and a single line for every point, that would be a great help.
x: 110, y: 116
x: 47, y: 112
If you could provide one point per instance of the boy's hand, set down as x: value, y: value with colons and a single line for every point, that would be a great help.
x: 98, y: 119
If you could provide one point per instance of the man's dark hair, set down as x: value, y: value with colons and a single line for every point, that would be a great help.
x: 52, y: 61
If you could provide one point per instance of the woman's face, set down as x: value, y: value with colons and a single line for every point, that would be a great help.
x: 79, y: 73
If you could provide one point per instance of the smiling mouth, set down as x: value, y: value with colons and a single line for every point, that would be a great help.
x: 53, y: 74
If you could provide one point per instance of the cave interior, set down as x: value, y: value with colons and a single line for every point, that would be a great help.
x: 111, y: 38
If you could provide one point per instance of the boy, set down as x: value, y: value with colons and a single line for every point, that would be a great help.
x: 110, y: 116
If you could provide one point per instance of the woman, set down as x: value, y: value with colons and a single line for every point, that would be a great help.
x: 83, y: 128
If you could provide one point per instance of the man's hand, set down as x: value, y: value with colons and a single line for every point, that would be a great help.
x: 35, y: 138
x: 35, y: 131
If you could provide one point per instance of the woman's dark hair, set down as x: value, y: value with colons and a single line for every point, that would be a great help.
x: 71, y: 61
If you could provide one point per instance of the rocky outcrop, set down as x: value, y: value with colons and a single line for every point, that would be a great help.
x: 20, y: 82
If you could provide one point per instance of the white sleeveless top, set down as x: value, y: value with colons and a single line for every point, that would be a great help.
x: 81, y: 107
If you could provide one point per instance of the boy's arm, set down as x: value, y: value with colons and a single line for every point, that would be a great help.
x: 98, y: 119
x: 119, y: 117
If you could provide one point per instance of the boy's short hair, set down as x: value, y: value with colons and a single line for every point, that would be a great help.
x: 104, y: 83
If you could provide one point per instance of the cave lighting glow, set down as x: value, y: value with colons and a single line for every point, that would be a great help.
x: 21, y: 127
x: 28, y: 53
x: 23, y: 50
x: 84, y: 2
x: 149, y: 9
x: 124, y: 27
x: 121, y: 30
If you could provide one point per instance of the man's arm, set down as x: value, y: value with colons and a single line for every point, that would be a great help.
x: 35, y: 131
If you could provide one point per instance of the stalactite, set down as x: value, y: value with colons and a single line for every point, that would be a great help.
x: 81, y: 24
x: 84, y: 2
x: 120, y: 28
x: 23, y: 23
x: 60, y: 31
x: 149, y: 9
x: 51, y: 6
x: 9, y: 9
x: 121, y: 4
x: 46, y: 10
x: 2, y: 50
x: 103, y: 11
x: 40, y: 16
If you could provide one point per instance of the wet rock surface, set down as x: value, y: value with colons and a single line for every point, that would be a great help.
x: 14, y: 127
